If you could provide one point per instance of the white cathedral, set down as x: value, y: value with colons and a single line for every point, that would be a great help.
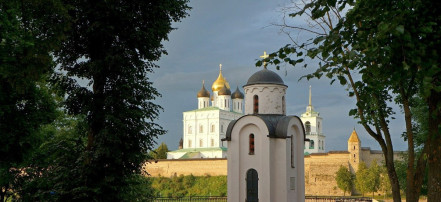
x: 205, y: 127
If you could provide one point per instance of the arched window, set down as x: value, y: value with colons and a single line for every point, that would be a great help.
x: 307, y: 127
x: 212, y: 142
x: 251, y: 144
x: 201, y: 128
x: 256, y: 104
x: 189, y: 143
x: 354, y: 147
x: 201, y: 143
x: 225, y: 103
x: 190, y: 130
x: 212, y: 128
x: 311, y: 144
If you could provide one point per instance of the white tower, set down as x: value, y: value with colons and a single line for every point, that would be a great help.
x: 203, y: 97
x: 313, y: 129
x: 237, y: 97
x: 265, y: 147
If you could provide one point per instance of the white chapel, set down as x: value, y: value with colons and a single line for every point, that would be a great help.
x: 265, y: 146
x: 203, y: 128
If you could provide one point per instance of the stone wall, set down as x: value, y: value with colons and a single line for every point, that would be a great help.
x: 196, y: 167
x: 320, y: 171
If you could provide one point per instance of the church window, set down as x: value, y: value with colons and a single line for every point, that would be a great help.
x: 251, y: 145
x: 318, y: 126
x: 201, y: 128
x: 201, y: 143
x: 256, y: 104
x: 212, y: 142
x: 212, y: 128
x: 307, y: 127
x: 225, y: 103
x: 190, y: 130
x: 354, y: 147
x: 311, y: 144
x: 189, y: 143
x: 283, y: 105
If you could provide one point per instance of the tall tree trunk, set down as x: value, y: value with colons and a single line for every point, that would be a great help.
x: 386, y: 145
x: 434, y: 151
x: 413, y: 181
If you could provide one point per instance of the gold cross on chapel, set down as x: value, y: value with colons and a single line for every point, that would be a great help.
x: 264, y: 56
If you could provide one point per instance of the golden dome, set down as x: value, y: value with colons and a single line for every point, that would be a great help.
x: 220, y: 82
x: 354, y: 137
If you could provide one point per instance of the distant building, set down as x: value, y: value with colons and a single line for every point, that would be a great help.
x: 203, y: 128
x: 313, y: 128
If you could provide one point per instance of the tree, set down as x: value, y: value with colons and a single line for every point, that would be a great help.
x: 160, y: 152
x: 374, y: 174
x: 395, y: 50
x: 362, y: 178
x: 29, y: 32
x: 113, y: 46
x: 384, y: 181
x: 344, y: 179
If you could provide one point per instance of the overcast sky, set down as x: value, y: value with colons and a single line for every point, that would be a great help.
x: 235, y: 33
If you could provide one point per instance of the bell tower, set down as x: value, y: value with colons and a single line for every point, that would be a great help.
x: 354, y: 149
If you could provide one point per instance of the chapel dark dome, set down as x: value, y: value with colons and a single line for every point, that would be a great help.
x: 237, y: 94
x: 203, y: 92
x: 224, y: 91
x: 265, y: 76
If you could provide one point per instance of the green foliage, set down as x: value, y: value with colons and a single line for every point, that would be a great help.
x: 29, y: 32
x: 345, y: 179
x: 139, y: 189
x: 367, y: 179
x: 361, y: 178
x: 160, y: 152
x: 395, y: 50
x: 190, y: 185
x: 384, y: 181
x: 113, y: 45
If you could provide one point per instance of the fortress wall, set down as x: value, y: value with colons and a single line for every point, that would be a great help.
x: 196, y: 167
x: 320, y: 170
x: 374, y: 155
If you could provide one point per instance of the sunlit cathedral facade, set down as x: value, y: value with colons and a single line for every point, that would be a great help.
x: 206, y: 126
x: 203, y: 128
